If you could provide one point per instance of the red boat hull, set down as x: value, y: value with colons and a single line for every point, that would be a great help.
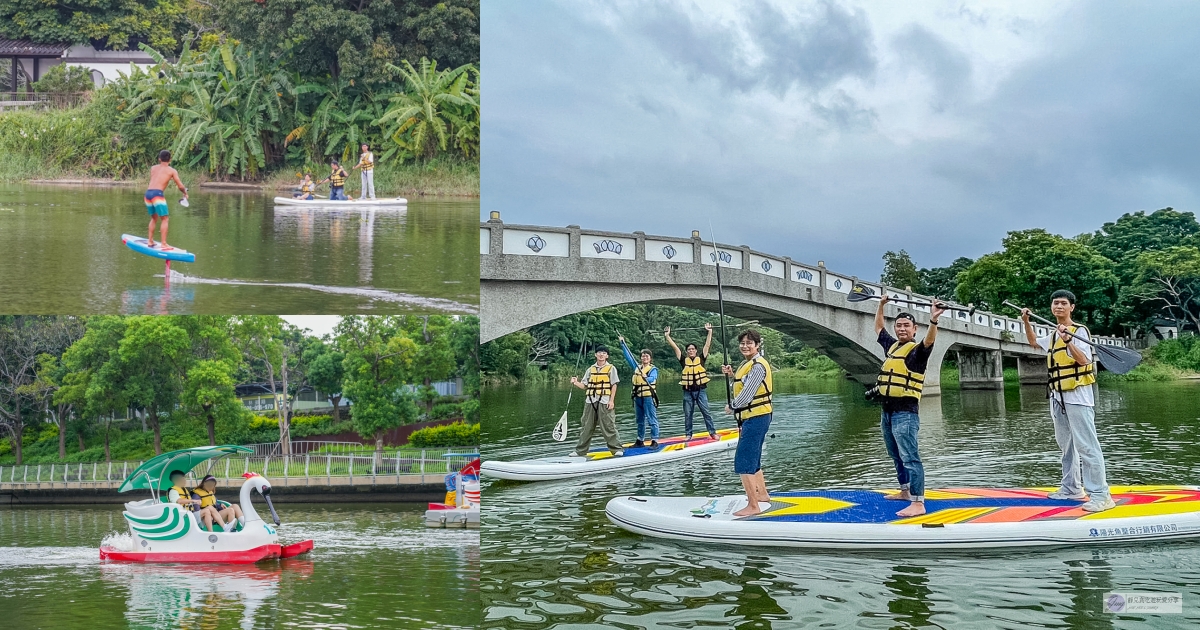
x: 295, y: 549
x: 225, y: 557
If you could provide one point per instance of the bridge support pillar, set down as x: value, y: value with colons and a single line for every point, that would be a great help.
x: 980, y: 369
x: 1032, y: 371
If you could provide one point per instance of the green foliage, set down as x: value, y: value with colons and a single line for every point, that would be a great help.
x: 445, y: 436
x: 438, y: 110
x: 446, y: 410
x: 1182, y: 353
x: 899, y: 270
x: 118, y: 24
x: 379, y: 360
x: 64, y: 79
x: 508, y: 355
x: 942, y: 282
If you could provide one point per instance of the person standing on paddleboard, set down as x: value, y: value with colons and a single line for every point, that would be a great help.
x: 337, y: 182
x: 899, y: 389
x: 694, y: 379
x: 366, y: 162
x: 600, y: 382
x: 161, y: 174
x: 751, y: 405
x: 645, y: 394
x: 1073, y: 405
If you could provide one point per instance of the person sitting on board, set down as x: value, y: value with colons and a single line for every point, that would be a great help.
x: 694, y: 379
x: 337, y: 182
x: 186, y: 498
x: 366, y: 162
x: 645, y: 396
x: 161, y: 174
x: 899, y: 389
x: 600, y: 382
x: 751, y: 405
x: 307, y: 188
x: 227, y: 514
x: 1073, y: 405
x: 210, y: 510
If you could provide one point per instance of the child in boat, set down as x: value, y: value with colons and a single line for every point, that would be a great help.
x: 307, y: 188
x: 206, y: 494
x: 161, y: 174
x: 188, y: 499
x: 231, y: 511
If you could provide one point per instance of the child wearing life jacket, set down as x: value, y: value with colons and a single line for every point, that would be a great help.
x: 205, y: 496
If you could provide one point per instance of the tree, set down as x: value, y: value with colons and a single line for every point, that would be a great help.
x: 1124, y: 240
x: 113, y: 24
x: 23, y: 340
x: 209, y: 392
x: 1170, y: 280
x: 50, y: 373
x: 435, y: 108
x: 95, y: 379
x: 465, y: 339
x: 273, y: 345
x: 379, y: 361
x: 942, y: 282
x: 899, y: 270
x: 326, y: 373
x: 154, y: 357
x: 434, y: 360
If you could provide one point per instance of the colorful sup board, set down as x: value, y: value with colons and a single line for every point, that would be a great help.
x: 289, y: 201
x: 139, y: 245
x: 601, y: 460
x: 955, y: 518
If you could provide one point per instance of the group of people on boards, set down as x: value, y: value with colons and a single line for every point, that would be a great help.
x: 202, y: 501
x: 898, y: 388
x: 337, y: 179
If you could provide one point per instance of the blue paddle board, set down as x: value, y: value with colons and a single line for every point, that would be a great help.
x: 140, y: 246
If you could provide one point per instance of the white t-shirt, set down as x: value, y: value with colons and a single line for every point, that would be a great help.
x: 1080, y: 395
x: 612, y: 376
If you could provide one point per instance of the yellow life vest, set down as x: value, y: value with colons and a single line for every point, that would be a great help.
x: 599, y: 381
x: 1065, y: 373
x: 338, y: 178
x: 307, y: 187
x: 206, y: 498
x: 760, y: 405
x: 183, y: 494
x: 365, y: 161
x: 895, y: 379
x: 641, y: 387
x: 694, y: 375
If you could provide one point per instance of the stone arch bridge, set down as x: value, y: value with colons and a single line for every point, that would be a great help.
x: 534, y: 274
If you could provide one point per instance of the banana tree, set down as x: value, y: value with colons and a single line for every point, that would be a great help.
x: 424, y: 118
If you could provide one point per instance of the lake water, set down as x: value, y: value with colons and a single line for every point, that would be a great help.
x: 62, y: 253
x: 550, y: 558
x: 372, y: 567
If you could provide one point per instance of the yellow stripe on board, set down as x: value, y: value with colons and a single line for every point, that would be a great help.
x: 1145, y: 509
x: 944, y: 517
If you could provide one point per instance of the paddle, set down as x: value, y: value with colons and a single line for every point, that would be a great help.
x: 753, y: 322
x: 1114, y: 358
x: 861, y: 293
x: 721, y: 306
x: 560, y: 428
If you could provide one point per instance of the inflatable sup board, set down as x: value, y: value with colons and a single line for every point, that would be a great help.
x: 139, y: 245
x: 288, y: 201
x: 955, y: 518
x: 601, y: 460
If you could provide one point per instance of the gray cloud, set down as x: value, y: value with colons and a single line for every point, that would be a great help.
x: 588, y: 119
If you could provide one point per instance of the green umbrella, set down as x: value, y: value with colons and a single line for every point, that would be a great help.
x: 156, y: 473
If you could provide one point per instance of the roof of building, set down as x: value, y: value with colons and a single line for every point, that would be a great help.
x: 26, y: 48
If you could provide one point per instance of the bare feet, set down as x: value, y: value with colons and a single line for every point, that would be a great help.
x: 916, y: 508
x: 903, y: 495
x: 749, y: 510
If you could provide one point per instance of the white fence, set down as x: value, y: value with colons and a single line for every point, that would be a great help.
x: 346, y: 467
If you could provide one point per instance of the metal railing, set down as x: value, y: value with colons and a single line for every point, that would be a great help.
x: 42, y: 99
x: 301, y: 447
x: 349, y: 467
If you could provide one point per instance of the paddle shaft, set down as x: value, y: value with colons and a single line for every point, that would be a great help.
x: 921, y: 303
x: 721, y: 307
x: 1050, y: 323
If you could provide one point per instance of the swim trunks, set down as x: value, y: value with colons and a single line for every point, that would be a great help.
x: 156, y: 204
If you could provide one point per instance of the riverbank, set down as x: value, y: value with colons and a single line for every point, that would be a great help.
x: 434, y: 178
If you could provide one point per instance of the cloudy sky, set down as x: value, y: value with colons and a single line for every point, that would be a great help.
x: 835, y: 131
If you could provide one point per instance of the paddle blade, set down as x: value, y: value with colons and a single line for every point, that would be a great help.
x: 560, y: 429
x: 1116, y: 359
x: 184, y: 202
x: 861, y: 293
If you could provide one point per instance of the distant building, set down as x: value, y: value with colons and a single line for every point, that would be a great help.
x: 23, y: 62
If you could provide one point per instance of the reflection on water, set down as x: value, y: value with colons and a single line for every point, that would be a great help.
x: 551, y: 558
x: 372, y: 567
x: 269, y: 259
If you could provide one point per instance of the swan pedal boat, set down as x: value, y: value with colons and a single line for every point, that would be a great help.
x: 162, y: 531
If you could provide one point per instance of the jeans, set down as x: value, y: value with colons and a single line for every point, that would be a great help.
x: 1075, y: 432
x: 337, y: 193
x: 692, y: 400
x: 643, y: 407
x: 747, y: 459
x: 900, y: 437
x: 368, y: 184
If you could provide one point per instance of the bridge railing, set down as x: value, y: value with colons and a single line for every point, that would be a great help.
x: 573, y: 242
x: 347, y: 467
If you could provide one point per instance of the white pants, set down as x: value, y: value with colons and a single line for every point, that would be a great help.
x: 1075, y: 432
x: 368, y: 184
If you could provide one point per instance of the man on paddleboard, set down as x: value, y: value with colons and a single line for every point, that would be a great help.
x: 694, y: 379
x: 337, y: 182
x: 1073, y: 405
x: 161, y: 174
x: 899, y: 389
x: 366, y: 162
x: 751, y: 405
x: 600, y: 382
x: 645, y: 396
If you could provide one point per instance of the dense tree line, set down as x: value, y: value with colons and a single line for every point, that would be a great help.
x: 1129, y: 273
x: 84, y: 374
